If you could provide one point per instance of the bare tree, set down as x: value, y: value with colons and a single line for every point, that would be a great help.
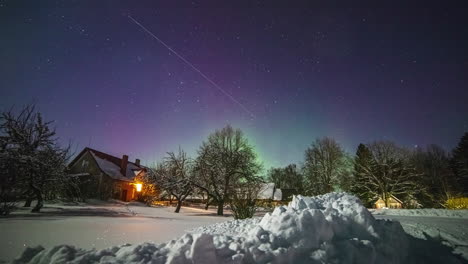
x: 34, y: 152
x: 433, y: 163
x: 174, y: 175
x: 325, y: 165
x: 278, y: 177
x: 288, y: 177
x: 224, y: 160
x: 9, y: 185
x: 388, y: 172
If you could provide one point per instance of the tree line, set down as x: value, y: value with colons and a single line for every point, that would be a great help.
x: 420, y: 177
x: 226, y: 170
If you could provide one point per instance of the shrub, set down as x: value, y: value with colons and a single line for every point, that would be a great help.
x: 457, y: 203
x: 8, y: 202
x: 243, y: 208
x: 243, y: 200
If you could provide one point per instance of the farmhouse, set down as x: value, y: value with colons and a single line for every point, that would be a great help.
x: 393, y: 202
x: 104, y: 176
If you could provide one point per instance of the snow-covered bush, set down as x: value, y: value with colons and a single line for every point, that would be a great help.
x: 243, y: 200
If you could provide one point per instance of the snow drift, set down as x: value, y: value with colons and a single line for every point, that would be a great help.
x: 332, y: 228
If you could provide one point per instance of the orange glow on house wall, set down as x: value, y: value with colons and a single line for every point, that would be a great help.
x: 138, y: 187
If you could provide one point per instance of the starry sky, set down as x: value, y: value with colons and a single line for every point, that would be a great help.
x: 355, y: 74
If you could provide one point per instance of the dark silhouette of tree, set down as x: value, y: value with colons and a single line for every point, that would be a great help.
x: 363, y: 162
x: 288, y: 177
x: 278, y: 177
x: 459, y: 163
x: 433, y: 164
x: 36, y: 161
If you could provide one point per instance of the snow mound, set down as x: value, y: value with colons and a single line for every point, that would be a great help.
x: 332, y: 228
x: 423, y: 212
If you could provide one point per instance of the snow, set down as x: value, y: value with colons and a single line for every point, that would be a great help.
x: 435, y: 225
x: 278, y: 195
x: 97, y: 225
x: 114, y: 171
x: 423, y: 212
x: 332, y: 228
x: 268, y: 191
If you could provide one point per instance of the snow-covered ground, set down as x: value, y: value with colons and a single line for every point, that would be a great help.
x: 422, y: 212
x: 433, y: 224
x: 333, y: 228
x: 99, y: 225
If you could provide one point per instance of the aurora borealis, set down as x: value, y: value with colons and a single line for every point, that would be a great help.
x: 356, y: 74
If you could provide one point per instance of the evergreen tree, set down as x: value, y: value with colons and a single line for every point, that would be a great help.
x: 363, y: 163
x: 459, y: 163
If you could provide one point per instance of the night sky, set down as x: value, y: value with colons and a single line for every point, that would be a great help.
x: 356, y: 74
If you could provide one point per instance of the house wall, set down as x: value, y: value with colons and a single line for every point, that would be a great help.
x: 392, y: 203
x: 98, y: 185
x: 89, y: 186
x: 120, y: 187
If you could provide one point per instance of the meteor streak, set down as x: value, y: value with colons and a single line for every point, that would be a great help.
x: 192, y: 66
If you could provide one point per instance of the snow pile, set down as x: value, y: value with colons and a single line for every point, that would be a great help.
x: 332, y: 228
x: 423, y: 212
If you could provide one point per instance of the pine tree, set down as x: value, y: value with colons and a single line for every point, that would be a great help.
x: 460, y: 163
x: 362, y: 164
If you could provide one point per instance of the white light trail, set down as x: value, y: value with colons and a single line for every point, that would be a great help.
x: 193, y: 67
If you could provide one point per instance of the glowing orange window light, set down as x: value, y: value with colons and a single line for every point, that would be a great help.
x: 138, y: 187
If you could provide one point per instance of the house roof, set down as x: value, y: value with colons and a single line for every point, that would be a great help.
x: 110, y: 165
x: 391, y: 196
x: 268, y: 191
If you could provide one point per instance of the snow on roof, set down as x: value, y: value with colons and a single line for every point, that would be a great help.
x: 391, y: 196
x: 132, y: 170
x: 267, y: 191
x: 113, y: 170
x: 278, y: 195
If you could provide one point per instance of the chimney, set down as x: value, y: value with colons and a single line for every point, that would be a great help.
x: 123, y: 165
x: 137, y: 162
